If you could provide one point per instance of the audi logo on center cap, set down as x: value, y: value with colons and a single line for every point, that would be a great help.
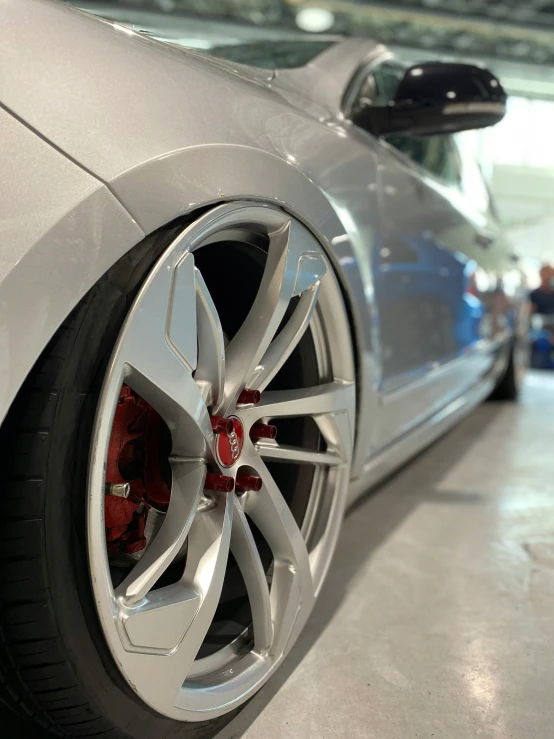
x: 229, y: 446
x: 234, y: 444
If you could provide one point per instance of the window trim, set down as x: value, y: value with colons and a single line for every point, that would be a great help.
x: 355, y: 85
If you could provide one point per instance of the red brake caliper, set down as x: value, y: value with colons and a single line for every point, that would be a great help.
x: 134, y: 457
x: 134, y: 477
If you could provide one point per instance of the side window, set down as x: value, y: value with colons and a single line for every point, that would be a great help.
x: 437, y: 154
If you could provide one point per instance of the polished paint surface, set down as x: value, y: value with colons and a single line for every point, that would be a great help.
x: 437, y: 616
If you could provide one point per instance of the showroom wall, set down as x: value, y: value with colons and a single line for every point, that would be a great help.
x: 523, y: 174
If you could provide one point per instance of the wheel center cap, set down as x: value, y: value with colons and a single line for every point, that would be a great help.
x: 229, y: 446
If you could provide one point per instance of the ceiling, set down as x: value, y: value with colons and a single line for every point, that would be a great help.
x: 518, y: 30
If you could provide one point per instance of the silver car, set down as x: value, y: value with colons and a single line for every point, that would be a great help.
x: 238, y: 286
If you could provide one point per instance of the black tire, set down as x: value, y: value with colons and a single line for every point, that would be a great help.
x: 54, y: 663
x: 508, y: 386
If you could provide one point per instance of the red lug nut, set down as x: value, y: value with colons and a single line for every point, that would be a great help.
x: 263, y: 431
x: 248, y: 397
x: 218, y: 483
x: 248, y: 482
x: 222, y: 425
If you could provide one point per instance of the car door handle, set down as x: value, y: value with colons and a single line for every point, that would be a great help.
x: 484, y: 240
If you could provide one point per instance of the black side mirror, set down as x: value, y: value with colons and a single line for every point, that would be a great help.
x: 437, y: 97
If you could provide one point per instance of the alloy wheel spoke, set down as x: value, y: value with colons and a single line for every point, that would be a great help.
x: 158, y: 353
x: 326, y: 404
x: 186, y: 490
x: 284, y: 344
x: 284, y: 453
x: 289, y: 270
x: 246, y: 553
x: 312, y: 401
x: 210, y: 371
x: 208, y: 550
x: 292, y: 586
x: 156, y: 625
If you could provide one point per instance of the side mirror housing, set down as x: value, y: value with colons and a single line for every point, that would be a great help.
x: 437, y: 97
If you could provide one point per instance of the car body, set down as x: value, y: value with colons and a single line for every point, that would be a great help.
x: 109, y: 136
x: 359, y: 197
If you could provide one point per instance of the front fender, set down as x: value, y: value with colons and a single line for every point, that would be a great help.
x: 61, y: 229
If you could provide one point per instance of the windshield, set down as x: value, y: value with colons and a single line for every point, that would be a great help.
x: 422, y: 28
x: 254, y: 32
x: 254, y: 11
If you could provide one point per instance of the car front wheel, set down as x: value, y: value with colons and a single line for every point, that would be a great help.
x: 174, y: 477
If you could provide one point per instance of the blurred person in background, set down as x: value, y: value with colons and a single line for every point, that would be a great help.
x: 542, y: 304
x: 542, y: 299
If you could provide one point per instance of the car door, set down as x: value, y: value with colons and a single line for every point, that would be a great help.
x: 433, y: 337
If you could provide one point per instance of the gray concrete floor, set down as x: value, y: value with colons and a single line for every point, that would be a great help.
x: 437, y: 619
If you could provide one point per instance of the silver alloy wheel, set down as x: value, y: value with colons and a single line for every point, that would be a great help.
x: 171, y: 351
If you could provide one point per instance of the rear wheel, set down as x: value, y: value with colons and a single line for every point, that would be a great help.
x: 173, y: 588
x: 510, y: 383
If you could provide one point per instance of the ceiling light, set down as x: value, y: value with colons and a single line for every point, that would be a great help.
x: 315, y: 20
